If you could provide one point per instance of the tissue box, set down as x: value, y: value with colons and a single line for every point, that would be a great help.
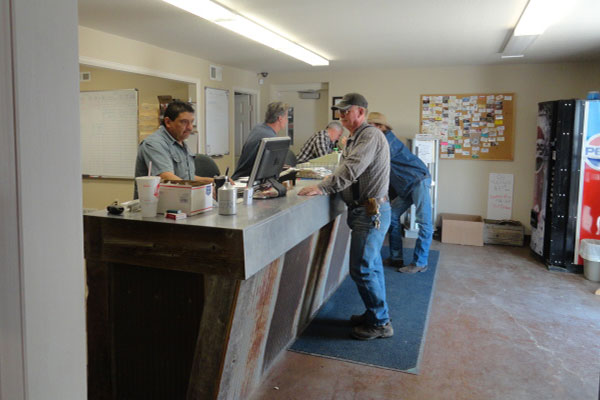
x: 188, y: 196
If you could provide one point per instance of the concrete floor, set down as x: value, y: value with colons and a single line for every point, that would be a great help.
x: 501, y: 327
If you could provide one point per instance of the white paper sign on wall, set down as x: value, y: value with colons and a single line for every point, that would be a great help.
x: 500, y: 195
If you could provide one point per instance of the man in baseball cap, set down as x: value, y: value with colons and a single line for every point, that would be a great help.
x: 362, y: 177
x: 351, y: 99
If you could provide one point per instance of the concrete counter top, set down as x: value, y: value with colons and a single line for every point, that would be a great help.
x: 242, y: 244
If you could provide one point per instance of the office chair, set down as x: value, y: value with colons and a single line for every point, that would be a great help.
x: 290, y: 159
x: 206, y: 166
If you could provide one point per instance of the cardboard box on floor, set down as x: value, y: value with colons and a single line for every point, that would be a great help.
x: 188, y: 196
x: 462, y: 229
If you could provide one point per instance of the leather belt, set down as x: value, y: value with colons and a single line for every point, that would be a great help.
x: 379, y: 200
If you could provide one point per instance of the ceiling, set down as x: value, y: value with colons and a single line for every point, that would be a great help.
x: 354, y: 34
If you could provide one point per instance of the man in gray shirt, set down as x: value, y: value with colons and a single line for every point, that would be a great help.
x: 275, y: 119
x: 170, y: 156
x: 363, y: 177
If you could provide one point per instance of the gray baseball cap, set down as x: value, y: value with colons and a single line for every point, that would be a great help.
x: 349, y: 100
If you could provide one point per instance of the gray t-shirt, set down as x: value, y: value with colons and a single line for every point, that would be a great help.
x: 365, y: 159
x: 166, y: 154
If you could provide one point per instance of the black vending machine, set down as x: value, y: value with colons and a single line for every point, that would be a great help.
x: 558, y: 166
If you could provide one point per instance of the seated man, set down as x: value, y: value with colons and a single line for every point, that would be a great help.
x: 409, y: 184
x: 321, y: 143
x: 166, y: 149
x: 275, y: 119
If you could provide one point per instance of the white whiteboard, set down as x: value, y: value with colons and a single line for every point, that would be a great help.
x: 217, y: 121
x: 500, y: 195
x: 109, y: 132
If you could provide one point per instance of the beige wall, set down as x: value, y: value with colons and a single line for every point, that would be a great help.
x: 310, y: 115
x: 149, y: 87
x: 463, y: 184
x: 116, y: 50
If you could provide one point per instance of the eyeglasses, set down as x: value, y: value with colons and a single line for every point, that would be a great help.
x: 344, y: 112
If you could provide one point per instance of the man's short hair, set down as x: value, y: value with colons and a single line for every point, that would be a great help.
x: 175, y: 108
x: 335, y: 125
x: 275, y: 110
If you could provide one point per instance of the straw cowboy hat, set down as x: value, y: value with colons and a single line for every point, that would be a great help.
x: 378, y: 118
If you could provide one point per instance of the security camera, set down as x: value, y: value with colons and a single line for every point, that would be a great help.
x: 264, y: 74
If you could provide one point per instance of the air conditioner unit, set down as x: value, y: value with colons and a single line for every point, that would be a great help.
x: 310, y: 95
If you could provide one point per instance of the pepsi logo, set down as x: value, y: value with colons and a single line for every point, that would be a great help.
x: 591, y: 152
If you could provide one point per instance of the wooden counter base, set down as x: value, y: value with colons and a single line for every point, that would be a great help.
x: 161, y: 327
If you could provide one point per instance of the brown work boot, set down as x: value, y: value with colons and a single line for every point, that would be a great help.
x: 393, y: 263
x: 368, y: 332
x: 412, y: 269
x: 358, y: 319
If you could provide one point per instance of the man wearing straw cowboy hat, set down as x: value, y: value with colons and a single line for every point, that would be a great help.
x: 165, y: 151
x: 362, y: 177
x: 409, y: 184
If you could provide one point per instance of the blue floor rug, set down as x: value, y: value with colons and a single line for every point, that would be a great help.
x: 409, y: 298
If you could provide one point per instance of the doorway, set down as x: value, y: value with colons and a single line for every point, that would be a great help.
x: 244, y: 120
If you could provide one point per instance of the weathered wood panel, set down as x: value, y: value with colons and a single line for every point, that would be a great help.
x: 167, y: 246
x: 338, y: 263
x: 219, y: 303
x: 291, y: 287
x: 156, y: 319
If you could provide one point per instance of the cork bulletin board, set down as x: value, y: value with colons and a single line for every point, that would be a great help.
x: 470, y: 126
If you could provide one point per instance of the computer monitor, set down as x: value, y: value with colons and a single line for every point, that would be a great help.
x: 269, y: 162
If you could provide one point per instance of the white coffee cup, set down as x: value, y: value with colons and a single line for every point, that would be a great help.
x: 147, y: 187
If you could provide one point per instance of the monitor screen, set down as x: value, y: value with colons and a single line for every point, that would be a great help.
x: 269, y: 159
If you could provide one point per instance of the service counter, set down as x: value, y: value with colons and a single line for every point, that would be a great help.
x: 200, y: 308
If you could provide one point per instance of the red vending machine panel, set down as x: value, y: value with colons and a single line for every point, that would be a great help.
x: 588, y: 217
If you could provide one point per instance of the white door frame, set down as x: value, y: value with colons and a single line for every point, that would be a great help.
x: 254, y: 117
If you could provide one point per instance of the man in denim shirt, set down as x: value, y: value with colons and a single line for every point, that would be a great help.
x: 362, y: 177
x: 170, y: 156
x: 409, y: 184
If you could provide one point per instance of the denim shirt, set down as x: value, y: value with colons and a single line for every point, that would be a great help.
x: 407, y: 169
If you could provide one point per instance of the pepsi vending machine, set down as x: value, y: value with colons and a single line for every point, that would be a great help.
x: 588, y: 210
x: 567, y: 181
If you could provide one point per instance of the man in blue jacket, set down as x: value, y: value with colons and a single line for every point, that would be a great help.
x: 409, y: 184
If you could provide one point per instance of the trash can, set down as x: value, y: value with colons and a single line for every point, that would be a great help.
x: 590, y: 252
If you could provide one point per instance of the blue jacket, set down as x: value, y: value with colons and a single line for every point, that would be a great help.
x: 406, y: 170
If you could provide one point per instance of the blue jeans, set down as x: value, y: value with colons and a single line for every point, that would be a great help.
x: 422, y: 201
x: 366, y: 268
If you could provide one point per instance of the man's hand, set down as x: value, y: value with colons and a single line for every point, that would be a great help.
x: 310, y: 191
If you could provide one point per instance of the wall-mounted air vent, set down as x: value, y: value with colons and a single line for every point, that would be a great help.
x: 216, y: 73
x: 85, y: 76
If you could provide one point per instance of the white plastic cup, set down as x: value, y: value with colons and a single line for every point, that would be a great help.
x: 248, y: 194
x: 147, y: 187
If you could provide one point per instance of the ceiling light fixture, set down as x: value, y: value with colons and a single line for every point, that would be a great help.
x: 537, y: 16
x: 228, y: 19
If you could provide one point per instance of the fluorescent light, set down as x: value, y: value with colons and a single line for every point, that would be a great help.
x: 517, y: 45
x: 241, y: 25
x: 515, y: 56
x: 538, y: 15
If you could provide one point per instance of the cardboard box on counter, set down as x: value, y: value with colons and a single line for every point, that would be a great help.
x: 188, y: 196
x: 462, y: 229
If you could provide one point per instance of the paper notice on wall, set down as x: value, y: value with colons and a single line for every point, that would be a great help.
x: 424, y: 150
x: 500, y: 195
